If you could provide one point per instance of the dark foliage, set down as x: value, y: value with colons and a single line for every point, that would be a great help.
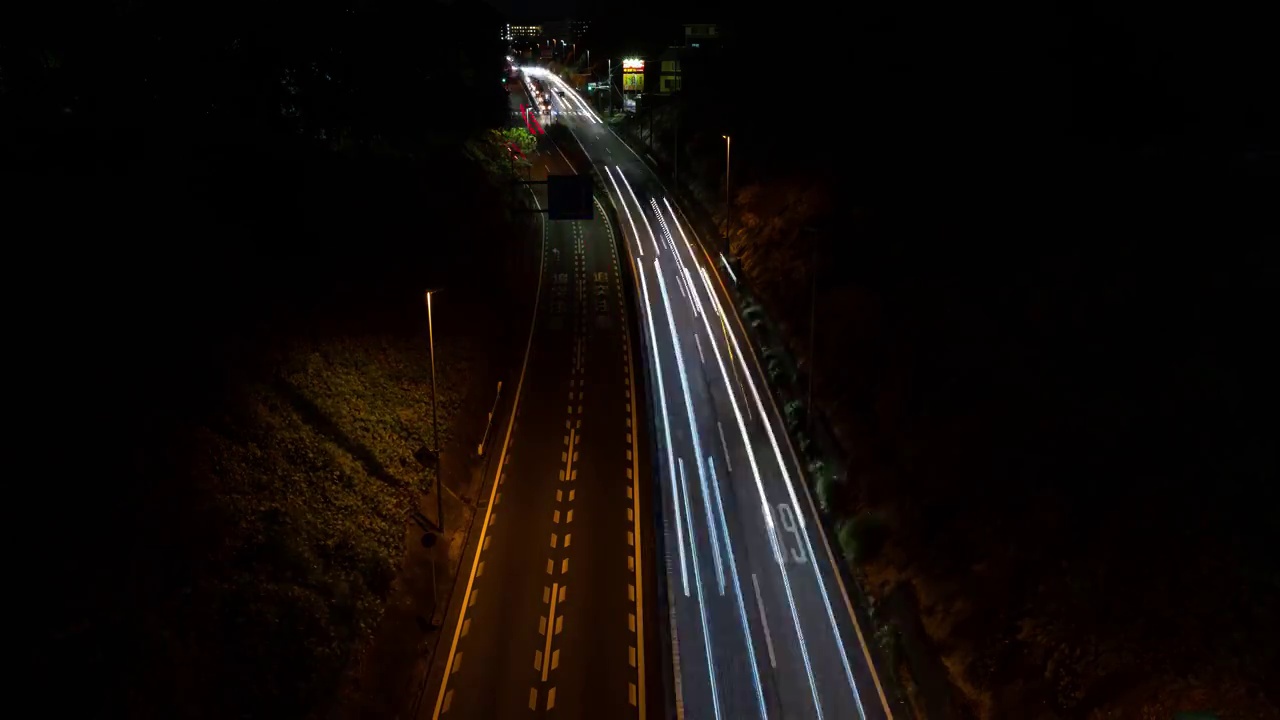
x: 1045, y: 254
x: 190, y: 191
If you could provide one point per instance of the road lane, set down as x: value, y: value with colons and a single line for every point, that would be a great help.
x: 822, y: 667
x: 552, y: 616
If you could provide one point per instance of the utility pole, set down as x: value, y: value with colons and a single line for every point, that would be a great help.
x: 610, y: 84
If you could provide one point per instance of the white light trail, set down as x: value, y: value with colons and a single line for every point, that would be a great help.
x: 634, y: 233
x: 768, y: 518
x: 684, y: 237
x: 693, y: 426
x: 791, y: 493
x: 693, y: 542
x: 682, y: 275
x: 737, y: 590
x: 666, y: 428
x: 656, y: 249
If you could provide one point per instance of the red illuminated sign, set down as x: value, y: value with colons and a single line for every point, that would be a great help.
x: 632, y: 66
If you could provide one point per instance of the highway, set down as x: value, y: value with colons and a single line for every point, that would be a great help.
x: 549, y: 618
x: 762, y: 624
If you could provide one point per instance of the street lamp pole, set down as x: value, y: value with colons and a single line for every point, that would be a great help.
x: 728, y: 142
x: 435, y: 418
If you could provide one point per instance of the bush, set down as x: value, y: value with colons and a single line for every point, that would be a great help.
x: 824, y: 485
x: 862, y: 537
x: 794, y: 411
x: 805, y: 443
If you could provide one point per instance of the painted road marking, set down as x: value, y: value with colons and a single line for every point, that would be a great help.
x: 546, y: 666
x: 725, y: 445
x: 768, y: 640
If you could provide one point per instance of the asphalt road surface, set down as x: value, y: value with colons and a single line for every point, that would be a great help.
x: 762, y: 623
x: 550, y: 616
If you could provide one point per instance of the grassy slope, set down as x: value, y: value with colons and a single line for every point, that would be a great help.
x: 253, y: 401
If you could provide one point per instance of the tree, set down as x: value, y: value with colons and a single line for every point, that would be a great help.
x: 523, y: 139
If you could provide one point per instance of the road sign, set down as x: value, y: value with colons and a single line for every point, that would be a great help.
x: 569, y: 197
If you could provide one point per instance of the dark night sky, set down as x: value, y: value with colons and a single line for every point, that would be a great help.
x: 598, y: 10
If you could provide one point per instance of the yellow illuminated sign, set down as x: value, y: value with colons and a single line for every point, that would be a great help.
x: 633, y: 81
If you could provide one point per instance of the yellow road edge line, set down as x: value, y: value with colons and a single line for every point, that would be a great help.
x: 502, y: 458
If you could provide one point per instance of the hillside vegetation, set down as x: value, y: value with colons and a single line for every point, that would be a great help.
x: 1037, y: 287
x: 237, y: 223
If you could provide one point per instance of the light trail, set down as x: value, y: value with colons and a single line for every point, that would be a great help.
x: 697, y: 573
x: 767, y: 511
x: 693, y: 426
x: 786, y: 476
x: 634, y: 232
x: 652, y: 237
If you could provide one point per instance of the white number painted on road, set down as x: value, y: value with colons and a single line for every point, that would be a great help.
x: 788, y: 521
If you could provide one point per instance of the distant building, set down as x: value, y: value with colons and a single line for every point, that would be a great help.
x: 570, y: 31
x: 701, y: 35
x: 695, y: 56
x: 524, y: 32
x: 669, y: 73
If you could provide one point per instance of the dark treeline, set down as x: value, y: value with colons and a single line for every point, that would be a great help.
x: 1047, y: 250
x: 184, y: 186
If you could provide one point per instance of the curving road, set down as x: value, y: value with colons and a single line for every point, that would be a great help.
x: 762, y: 626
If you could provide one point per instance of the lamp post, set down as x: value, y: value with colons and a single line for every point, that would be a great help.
x: 435, y: 418
x: 728, y: 142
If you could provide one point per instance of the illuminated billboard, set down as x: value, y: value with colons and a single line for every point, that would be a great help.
x: 633, y: 75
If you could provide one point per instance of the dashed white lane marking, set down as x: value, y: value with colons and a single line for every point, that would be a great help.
x: 727, y: 462
x: 768, y: 639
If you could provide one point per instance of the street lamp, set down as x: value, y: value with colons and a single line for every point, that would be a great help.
x: 728, y: 142
x: 435, y: 419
